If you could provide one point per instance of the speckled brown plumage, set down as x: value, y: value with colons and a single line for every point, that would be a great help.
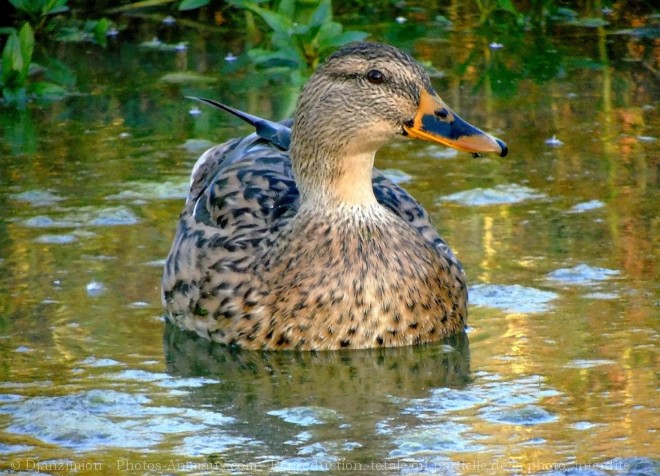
x: 312, y: 248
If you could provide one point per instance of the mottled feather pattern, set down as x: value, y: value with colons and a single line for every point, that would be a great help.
x: 311, y: 248
x: 236, y: 218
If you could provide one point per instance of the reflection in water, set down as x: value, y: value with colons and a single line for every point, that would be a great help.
x: 349, y: 381
x: 309, y: 408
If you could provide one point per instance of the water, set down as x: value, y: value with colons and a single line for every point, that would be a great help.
x: 557, y: 373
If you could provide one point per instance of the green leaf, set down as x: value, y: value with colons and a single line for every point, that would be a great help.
x: 344, y: 39
x: 47, y: 91
x: 12, y: 61
x: 507, y: 6
x: 138, y: 5
x: 287, y: 57
x: 50, y: 7
x: 193, y: 4
x: 101, y: 31
x: 59, y: 73
x: 278, y: 23
x: 25, y: 6
x: 287, y: 8
x: 331, y: 36
x: 26, y: 40
x: 322, y: 14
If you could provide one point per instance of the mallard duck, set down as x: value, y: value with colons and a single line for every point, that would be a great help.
x: 290, y: 239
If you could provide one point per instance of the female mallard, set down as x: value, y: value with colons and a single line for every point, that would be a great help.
x: 310, y: 247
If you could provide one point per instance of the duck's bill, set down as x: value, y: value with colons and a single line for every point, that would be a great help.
x: 435, y: 122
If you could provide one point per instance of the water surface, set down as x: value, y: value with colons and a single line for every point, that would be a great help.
x: 557, y: 372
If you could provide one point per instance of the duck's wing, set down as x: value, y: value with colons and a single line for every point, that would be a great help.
x: 241, y: 193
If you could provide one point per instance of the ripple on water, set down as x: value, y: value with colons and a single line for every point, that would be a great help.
x: 319, y: 456
x: 102, y: 418
x: 498, y: 195
x: 7, y: 449
x: 9, y: 398
x: 396, y: 175
x: 103, y: 362
x: 85, y: 216
x: 446, y: 437
x: 583, y: 425
x: 617, y: 466
x: 51, y: 239
x: 527, y: 415
x: 37, y: 198
x: 443, y: 400
x: 581, y: 275
x: 511, y: 298
x: 197, y: 146
x: 152, y: 191
x: 587, y: 206
x: 138, y: 376
x: 211, y: 441
x: 306, y: 416
x: 588, y: 363
x: 487, y: 392
x: 489, y: 397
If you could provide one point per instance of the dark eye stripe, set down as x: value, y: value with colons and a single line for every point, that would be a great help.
x: 375, y: 77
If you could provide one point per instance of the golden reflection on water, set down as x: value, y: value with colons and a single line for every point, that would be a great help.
x: 594, y: 357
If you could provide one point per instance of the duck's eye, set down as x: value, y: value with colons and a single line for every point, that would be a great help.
x: 375, y: 77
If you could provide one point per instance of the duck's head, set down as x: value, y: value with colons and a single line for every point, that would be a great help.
x: 363, y: 96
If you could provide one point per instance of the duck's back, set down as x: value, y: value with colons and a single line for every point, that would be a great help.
x: 243, y: 194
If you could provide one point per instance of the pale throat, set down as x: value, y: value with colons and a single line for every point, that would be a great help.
x: 353, y: 184
x: 339, y: 180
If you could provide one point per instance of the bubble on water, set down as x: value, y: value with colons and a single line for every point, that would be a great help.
x: 95, y: 288
x: 554, y: 142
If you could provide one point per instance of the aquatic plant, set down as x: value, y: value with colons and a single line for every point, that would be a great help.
x: 301, y: 33
x: 16, y: 65
x: 38, y: 10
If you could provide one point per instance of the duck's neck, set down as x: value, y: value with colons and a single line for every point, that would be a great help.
x: 333, y: 178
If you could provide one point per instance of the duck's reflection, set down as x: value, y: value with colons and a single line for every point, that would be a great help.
x: 359, y: 390
x: 350, y: 381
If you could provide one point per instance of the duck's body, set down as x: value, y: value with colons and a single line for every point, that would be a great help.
x: 310, y: 247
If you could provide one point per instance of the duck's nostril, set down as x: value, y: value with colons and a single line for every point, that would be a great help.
x: 441, y: 113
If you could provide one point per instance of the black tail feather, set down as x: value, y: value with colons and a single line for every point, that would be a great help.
x: 278, y: 134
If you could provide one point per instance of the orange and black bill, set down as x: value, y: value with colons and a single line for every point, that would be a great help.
x: 435, y: 122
